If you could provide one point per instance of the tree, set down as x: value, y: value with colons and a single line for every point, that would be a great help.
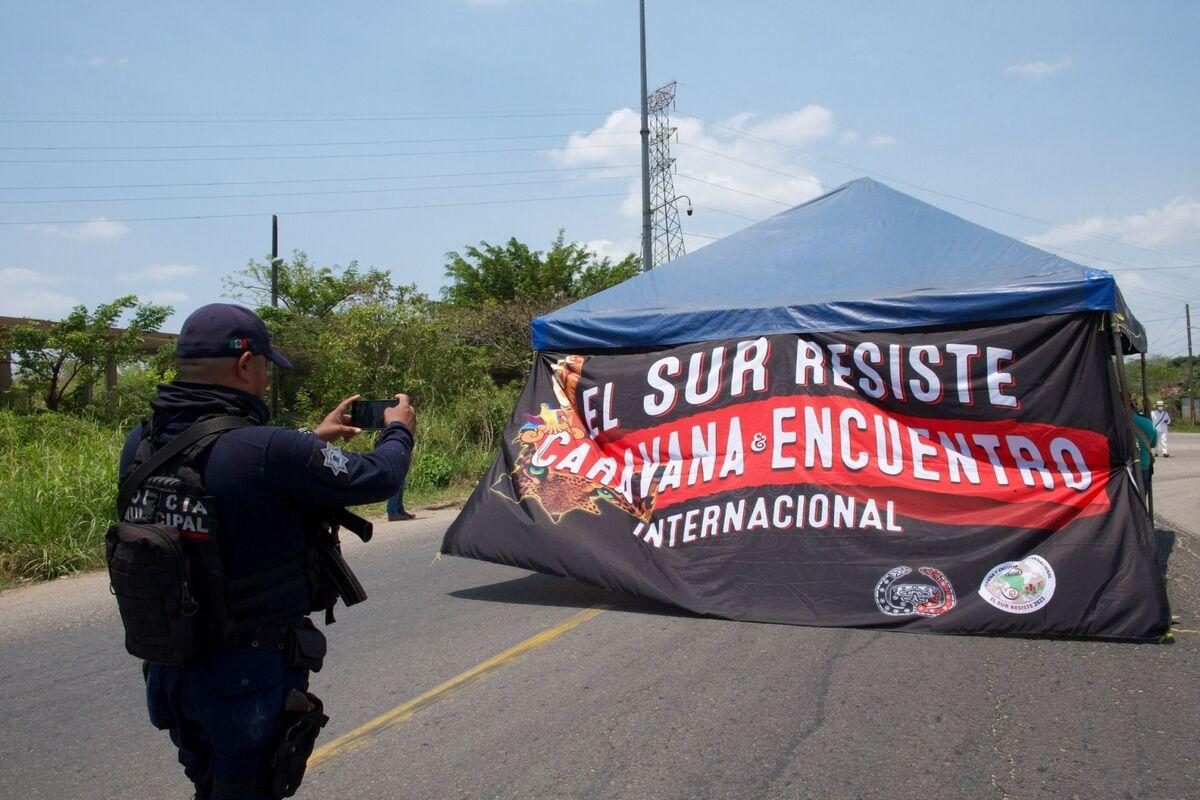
x: 377, y: 349
x: 308, y: 290
x: 71, y: 354
x: 504, y: 273
x: 349, y: 331
x: 1166, y: 378
x: 497, y: 290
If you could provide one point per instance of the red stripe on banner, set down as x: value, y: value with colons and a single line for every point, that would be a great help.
x: 1003, y: 472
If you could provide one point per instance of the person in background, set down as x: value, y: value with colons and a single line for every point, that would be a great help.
x: 1146, y: 437
x: 395, y: 504
x: 1162, y: 423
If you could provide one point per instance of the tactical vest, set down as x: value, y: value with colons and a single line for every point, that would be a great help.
x: 165, y: 566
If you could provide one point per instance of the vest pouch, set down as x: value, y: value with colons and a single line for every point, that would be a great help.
x: 209, y: 586
x: 307, y: 647
x: 150, y: 574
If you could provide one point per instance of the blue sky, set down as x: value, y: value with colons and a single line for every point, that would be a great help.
x: 1074, y: 114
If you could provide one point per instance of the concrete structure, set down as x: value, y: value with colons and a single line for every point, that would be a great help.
x: 150, y: 346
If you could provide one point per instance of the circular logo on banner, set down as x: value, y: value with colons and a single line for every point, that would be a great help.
x: 1019, y: 587
x: 926, y: 598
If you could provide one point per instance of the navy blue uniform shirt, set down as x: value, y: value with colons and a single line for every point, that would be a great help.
x: 271, y: 484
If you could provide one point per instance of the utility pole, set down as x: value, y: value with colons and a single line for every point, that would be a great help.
x: 275, y: 262
x: 647, y: 210
x: 1191, y: 384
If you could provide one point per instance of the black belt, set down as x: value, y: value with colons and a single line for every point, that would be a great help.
x: 272, y: 638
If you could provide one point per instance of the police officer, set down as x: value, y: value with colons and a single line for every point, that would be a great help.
x: 228, y: 708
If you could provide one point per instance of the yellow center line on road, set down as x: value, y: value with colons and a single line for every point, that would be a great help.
x: 367, y: 732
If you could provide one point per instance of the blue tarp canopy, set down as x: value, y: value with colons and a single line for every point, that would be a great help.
x: 861, y: 257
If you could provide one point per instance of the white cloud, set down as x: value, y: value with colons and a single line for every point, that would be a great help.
x: 1039, y: 69
x: 32, y: 294
x: 614, y: 143
x: 881, y: 140
x: 99, y: 228
x: 796, y: 128
x: 1176, y: 222
x: 1175, y: 225
x: 159, y: 272
x: 166, y: 297
x: 607, y: 248
x: 706, y: 155
x: 848, y: 137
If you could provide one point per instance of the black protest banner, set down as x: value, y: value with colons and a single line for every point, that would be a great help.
x: 967, y: 479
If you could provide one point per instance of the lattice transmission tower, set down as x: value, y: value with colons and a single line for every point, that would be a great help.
x: 665, y: 230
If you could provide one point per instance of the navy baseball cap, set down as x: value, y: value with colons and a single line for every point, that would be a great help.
x: 222, y: 330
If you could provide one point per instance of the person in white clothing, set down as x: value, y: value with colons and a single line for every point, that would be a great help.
x: 1162, y: 422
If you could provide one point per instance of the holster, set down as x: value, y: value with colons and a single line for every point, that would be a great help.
x: 303, y: 718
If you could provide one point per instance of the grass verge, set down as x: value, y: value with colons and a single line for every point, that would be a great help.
x: 58, y: 487
x: 58, y: 481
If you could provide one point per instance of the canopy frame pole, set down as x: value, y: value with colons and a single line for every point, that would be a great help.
x: 1126, y: 402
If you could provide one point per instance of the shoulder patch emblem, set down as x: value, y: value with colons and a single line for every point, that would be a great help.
x: 335, y: 459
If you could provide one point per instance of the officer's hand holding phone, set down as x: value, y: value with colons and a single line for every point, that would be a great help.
x: 378, y: 414
x: 336, y: 424
x: 401, y: 412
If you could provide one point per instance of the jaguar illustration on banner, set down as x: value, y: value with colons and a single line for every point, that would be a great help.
x: 854, y: 478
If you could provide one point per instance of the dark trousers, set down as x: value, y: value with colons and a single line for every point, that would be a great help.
x: 395, y: 503
x: 223, y: 713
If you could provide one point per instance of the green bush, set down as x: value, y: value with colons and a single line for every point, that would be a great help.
x: 58, y: 485
x: 346, y: 330
x: 455, y: 443
x: 433, y: 470
x: 58, y: 477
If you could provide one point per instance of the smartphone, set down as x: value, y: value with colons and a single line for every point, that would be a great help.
x: 368, y: 414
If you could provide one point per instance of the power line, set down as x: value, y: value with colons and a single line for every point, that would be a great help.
x: 731, y: 189
x: 300, y: 157
x: 306, y: 144
x: 1122, y: 266
x: 919, y: 187
x: 314, y: 194
x: 316, y: 211
x: 308, y: 180
x: 1139, y: 290
x: 727, y: 213
x: 1162, y: 309
x: 1089, y: 256
x: 285, y: 119
x: 1173, y: 341
x: 294, y: 113
x: 1144, y: 269
x: 728, y: 157
x: 1172, y: 320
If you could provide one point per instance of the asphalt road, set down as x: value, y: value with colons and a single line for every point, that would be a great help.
x: 636, y: 701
